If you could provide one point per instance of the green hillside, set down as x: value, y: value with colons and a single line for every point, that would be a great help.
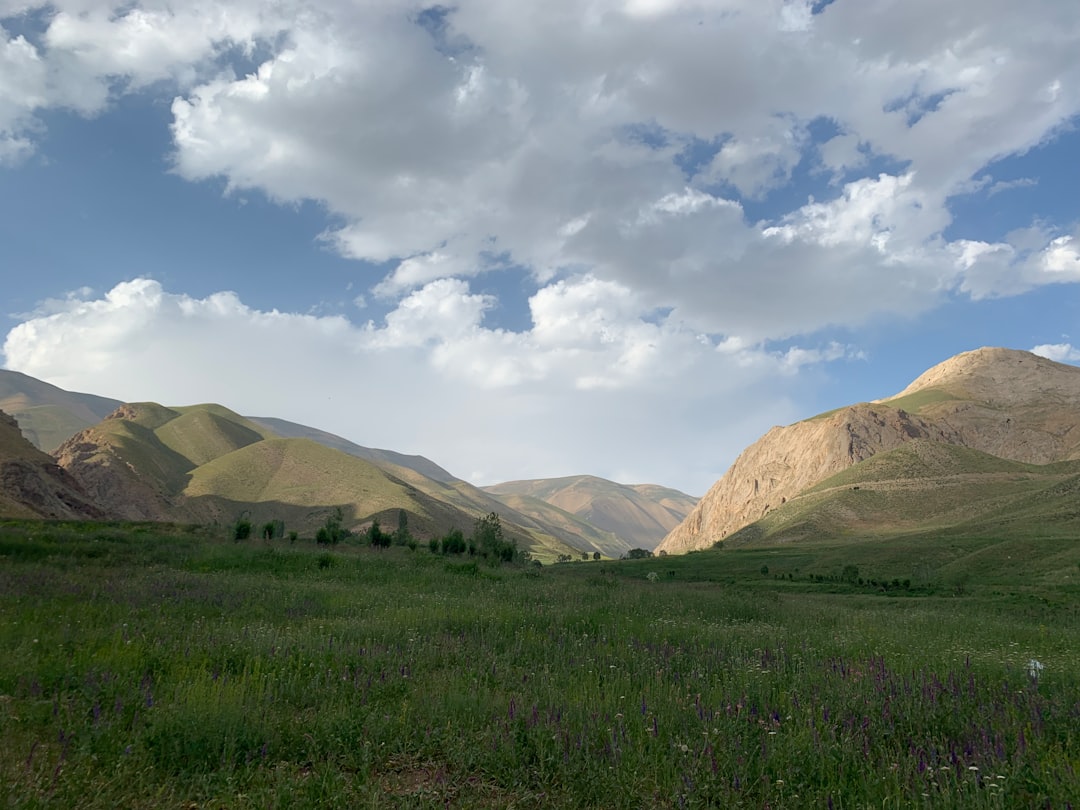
x: 588, y: 538
x: 923, y: 487
x: 547, y: 537
x: 202, y: 433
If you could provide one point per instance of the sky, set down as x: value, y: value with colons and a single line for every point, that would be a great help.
x: 524, y: 239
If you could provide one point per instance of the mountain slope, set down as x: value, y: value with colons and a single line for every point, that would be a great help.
x: 205, y: 463
x: 920, y: 486
x: 48, y: 415
x: 32, y: 485
x: 1010, y: 404
x: 549, y: 531
x: 636, y: 516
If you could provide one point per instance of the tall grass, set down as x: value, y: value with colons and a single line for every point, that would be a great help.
x: 138, y: 670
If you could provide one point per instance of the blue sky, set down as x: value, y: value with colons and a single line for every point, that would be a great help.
x: 618, y: 237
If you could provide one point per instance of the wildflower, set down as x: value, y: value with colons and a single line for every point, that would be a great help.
x: 1034, y: 669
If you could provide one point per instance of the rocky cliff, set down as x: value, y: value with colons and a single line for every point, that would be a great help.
x: 1011, y: 404
x: 33, y: 485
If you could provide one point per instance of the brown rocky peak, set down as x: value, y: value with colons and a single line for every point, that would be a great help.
x: 1012, y: 404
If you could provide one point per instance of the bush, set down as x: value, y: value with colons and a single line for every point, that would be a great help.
x: 242, y: 529
x: 332, y: 532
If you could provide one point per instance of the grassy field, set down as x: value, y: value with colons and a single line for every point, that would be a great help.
x: 145, y: 668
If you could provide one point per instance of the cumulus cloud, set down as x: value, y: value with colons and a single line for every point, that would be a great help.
x: 592, y: 386
x: 610, y: 148
x: 1060, y: 352
x: 457, y: 141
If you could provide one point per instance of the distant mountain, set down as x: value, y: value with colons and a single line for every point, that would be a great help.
x: 32, y: 485
x: 1006, y: 404
x: 145, y: 461
x: 48, y: 415
x: 205, y: 463
x: 292, y: 430
x: 634, y: 516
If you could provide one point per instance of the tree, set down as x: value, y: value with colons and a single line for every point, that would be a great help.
x: 596, y: 555
x: 850, y: 573
x: 401, y: 536
x: 454, y: 542
x: 242, y: 529
x: 638, y: 554
x: 585, y: 556
x: 332, y: 532
x: 490, y: 542
x: 376, y: 536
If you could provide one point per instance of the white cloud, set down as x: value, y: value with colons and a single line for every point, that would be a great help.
x: 1060, y: 352
x: 591, y: 387
x: 553, y: 136
x: 503, y: 133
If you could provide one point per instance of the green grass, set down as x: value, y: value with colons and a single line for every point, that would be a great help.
x: 154, y: 667
x: 920, y: 400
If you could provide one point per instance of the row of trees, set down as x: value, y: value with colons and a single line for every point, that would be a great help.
x: 487, y: 539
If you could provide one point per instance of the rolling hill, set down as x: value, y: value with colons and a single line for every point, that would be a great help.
x: 138, y: 460
x: 995, y: 406
x: 635, y: 516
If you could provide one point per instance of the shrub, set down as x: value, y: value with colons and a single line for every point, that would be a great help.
x: 242, y: 529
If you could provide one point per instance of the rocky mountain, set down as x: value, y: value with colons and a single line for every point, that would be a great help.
x: 1009, y: 404
x: 33, y: 485
x: 634, y: 515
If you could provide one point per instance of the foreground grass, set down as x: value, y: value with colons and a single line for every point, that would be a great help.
x: 144, y: 670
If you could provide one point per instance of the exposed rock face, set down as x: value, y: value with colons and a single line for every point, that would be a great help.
x: 1011, y: 404
x: 33, y: 485
x: 115, y: 485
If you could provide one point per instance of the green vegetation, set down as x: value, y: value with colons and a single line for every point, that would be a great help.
x: 926, y: 486
x: 156, y: 667
x: 919, y: 400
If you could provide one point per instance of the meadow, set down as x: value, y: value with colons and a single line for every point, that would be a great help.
x: 147, y: 667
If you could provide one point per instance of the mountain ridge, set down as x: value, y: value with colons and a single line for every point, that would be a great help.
x: 1007, y: 403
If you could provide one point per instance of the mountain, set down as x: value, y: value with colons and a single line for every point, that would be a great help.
x: 418, y: 464
x: 924, y: 486
x: 552, y: 529
x: 32, y: 485
x: 1011, y: 405
x: 634, y: 516
x: 205, y: 463
x: 48, y: 415
x: 144, y: 461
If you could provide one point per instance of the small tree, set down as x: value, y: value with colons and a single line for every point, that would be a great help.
x: 332, y: 532
x: 490, y: 542
x: 242, y: 529
x: 596, y: 555
x: 638, y: 554
x: 268, y: 530
x: 376, y: 536
x: 401, y: 536
x: 850, y: 573
x: 454, y: 542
